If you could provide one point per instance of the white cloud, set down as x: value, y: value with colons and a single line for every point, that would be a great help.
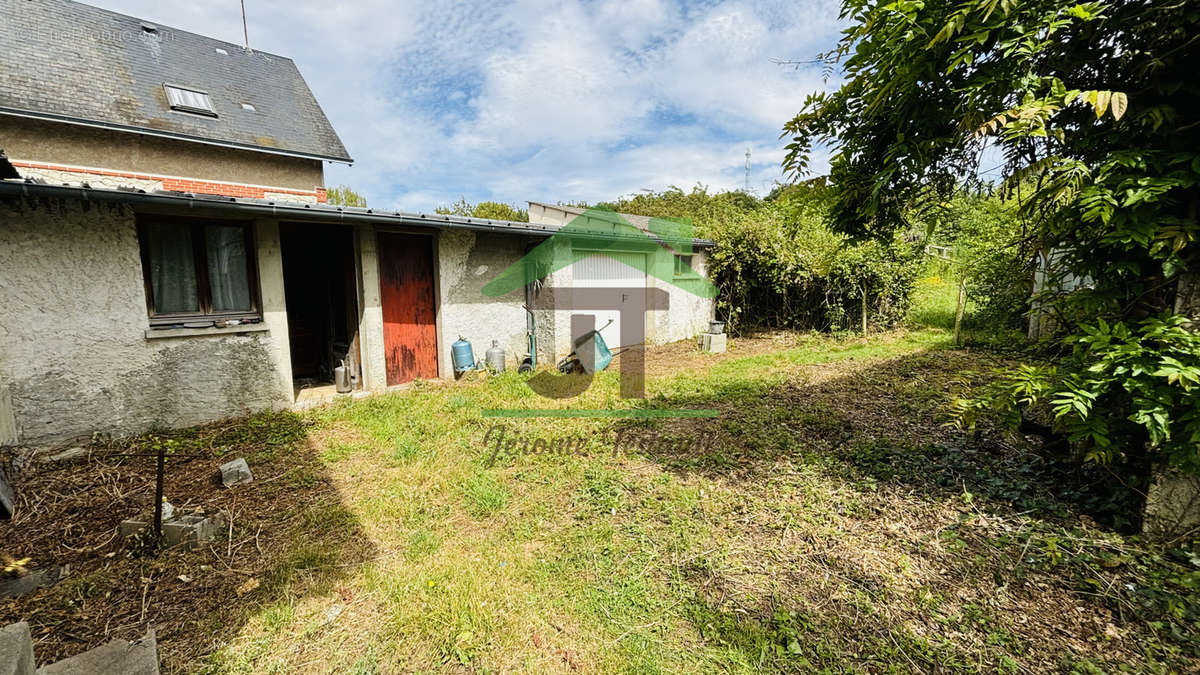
x: 537, y: 99
x: 721, y: 66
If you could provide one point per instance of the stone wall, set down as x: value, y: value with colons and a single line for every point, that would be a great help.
x: 75, y: 357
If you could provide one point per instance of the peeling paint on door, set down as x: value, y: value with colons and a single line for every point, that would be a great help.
x: 409, y: 317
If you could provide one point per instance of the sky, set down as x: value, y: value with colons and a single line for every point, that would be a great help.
x: 525, y: 100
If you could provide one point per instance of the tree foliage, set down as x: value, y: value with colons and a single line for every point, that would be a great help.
x: 489, y: 210
x: 982, y: 235
x: 343, y: 195
x: 776, y: 263
x: 1094, y: 108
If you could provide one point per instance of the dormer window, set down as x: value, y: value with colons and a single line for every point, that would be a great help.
x: 189, y: 100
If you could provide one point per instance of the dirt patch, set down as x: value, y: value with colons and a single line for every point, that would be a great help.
x: 68, y: 513
x: 685, y: 355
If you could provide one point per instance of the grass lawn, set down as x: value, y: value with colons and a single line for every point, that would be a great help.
x: 827, y: 519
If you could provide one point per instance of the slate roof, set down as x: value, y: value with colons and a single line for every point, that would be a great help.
x: 72, y: 62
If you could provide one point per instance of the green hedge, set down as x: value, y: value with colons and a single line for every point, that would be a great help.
x: 777, y: 263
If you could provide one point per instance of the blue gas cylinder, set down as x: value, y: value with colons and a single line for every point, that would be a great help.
x: 464, y: 356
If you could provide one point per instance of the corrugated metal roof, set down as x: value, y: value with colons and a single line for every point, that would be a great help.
x: 291, y: 211
x: 71, y: 62
x: 640, y: 222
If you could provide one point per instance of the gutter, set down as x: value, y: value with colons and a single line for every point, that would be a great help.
x: 289, y: 211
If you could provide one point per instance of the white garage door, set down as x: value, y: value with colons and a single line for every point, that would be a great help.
x: 611, y: 270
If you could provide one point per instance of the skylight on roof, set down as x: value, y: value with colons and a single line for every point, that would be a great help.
x: 189, y: 100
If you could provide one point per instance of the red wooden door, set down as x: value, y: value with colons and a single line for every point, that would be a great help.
x: 409, y: 328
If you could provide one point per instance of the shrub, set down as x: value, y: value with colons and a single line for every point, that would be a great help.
x: 489, y: 210
x: 1108, y: 180
x: 778, y: 264
x: 983, y: 232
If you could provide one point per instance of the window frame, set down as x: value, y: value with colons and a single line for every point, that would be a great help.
x: 690, y: 272
x: 210, y: 111
x: 200, y: 260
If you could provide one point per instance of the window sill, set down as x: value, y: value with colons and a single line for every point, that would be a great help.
x: 157, y: 333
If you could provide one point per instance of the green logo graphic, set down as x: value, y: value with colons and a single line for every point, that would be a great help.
x: 663, y: 250
x: 598, y: 231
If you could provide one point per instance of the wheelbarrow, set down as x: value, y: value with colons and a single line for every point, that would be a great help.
x: 590, y: 342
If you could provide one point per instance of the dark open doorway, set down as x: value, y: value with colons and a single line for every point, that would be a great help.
x: 322, y: 311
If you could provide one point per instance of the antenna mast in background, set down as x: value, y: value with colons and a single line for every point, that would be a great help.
x: 245, y: 30
x: 747, y: 170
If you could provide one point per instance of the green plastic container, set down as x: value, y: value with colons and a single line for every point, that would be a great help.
x: 604, y: 355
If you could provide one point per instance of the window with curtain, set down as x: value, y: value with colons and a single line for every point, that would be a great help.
x: 197, y: 270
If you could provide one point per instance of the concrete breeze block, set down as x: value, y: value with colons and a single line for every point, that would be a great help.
x: 236, y: 472
x: 16, y: 650
x: 187, y: 531
x: 715, y: 343
x: 8, y: 500
x: 118, y: 656
x: 190, y: 531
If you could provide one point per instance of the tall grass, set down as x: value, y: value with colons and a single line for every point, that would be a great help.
x: 935, y: 297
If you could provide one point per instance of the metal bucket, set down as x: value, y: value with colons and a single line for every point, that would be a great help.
x: 341, y: 379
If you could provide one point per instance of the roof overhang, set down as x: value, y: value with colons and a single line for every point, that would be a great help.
x: 295, y: 212
x: 95, y: 124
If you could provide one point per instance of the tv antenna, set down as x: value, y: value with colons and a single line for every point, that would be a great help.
x: 245, y: 30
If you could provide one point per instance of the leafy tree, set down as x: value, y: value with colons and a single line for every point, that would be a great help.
x: 697, y: 205
x: 777, y: 264
x: 344, y: 196
x: 1094, y: 107
x: 982, y: 236
x: 489, y: 210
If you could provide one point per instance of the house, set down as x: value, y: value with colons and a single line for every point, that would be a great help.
x: 168, y: 256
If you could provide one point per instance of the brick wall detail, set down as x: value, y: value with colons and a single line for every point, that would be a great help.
x: 55, y: 173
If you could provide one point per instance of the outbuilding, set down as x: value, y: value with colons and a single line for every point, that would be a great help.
x: 168, y: 255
